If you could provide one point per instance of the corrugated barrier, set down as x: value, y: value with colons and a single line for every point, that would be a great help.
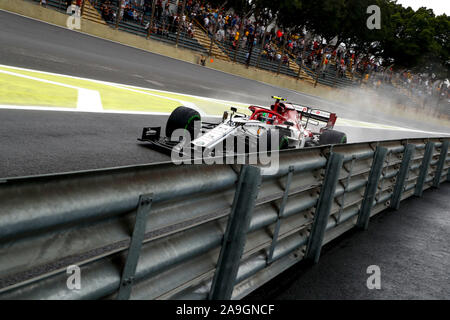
x: 199, y: 231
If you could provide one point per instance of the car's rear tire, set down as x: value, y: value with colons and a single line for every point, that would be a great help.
x: 332, y: 137
x: 182, y: 118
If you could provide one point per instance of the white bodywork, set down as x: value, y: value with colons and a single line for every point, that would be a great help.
x: 242, y: 126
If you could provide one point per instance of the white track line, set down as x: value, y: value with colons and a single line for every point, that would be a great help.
x: 151, y: 113
x: 181, y: 102
x: 368, y: 125
x: 89, y: 100
x: 38, y: 108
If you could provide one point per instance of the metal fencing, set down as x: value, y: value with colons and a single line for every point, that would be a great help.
x: 199, y: 231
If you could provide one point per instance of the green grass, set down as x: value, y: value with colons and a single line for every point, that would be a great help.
x: 211, y: 107
x: 15, y: 90
x: 113, y: 97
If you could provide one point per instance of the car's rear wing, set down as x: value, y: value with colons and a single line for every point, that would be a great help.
x: 308, y: 113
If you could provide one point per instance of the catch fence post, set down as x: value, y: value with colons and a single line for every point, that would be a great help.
x: 241, y: 30
x: 263, y: 43
x: 152, y: 17
x: 282, y: 52
x: 180, y: 22
x: 119, y: 10
x: 82, y: 7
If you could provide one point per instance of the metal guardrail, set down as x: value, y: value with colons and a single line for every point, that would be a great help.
x: 199, y: 231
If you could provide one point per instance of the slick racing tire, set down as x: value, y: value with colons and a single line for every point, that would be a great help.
x: 283, y: 141
x: 332, y: 137
x: 182, y: 118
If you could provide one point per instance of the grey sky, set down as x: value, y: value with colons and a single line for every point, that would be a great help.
x: 439, y: 6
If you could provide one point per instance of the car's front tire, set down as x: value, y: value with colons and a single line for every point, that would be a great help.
x: 283, y: 141
x: 182, y: 118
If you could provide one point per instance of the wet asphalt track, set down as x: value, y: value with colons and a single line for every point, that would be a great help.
x: 33, y: 142
x: 40, y: 142
x: 411, y: 246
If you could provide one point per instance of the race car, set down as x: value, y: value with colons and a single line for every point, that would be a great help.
x: 295, y: 125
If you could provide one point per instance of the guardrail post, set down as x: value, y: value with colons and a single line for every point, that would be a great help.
x: 345, y: 186
x: 401, y: 176
x: 371, y: 188
x: 235, y: 234
x: 440, y: 165
x: 280, y: 214
x: 126, y: 283
x: 323, y: 208
x: 424, y: 168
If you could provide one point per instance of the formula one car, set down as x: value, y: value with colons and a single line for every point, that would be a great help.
x: 295, y: 125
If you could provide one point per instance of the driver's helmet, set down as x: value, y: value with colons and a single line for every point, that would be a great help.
x: 278, y: 107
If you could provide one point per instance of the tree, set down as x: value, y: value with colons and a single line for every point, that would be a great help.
x: 416, y: 40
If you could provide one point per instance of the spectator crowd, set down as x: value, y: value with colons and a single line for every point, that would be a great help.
x: 233, y: 32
